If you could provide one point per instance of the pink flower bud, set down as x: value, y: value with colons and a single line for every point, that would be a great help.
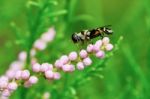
x: 27, y: 84
x: 50, y: 67
x: 25, y: 74
x: 98, y: 43
x: 109, y: 47
x: 83, y: 54
x: 6, y: 93
x: 89, y: 48
x: 33, y: 61
x: 56, y: 75
x: 36, y: 67
x: 3, y: 84
x: 48, y: 36
x: 73, y: 56
x: 80, y: 66
x: 64, y: 59
x: 105, y: 40
x: 10, y: 74
x: 40, y: 45
x: 100, y: 54
x: 33, y: 80
x: 49, y: 74
x: 18, y: 75
x: 68, y: 68
x: 4, y: 78
x: 96, y: 48
x: 22, y: 56
x: 12, y: 86
x: 33, y: 52
x: 44, y: 67
x: 58, y: 63
x: 87, y: 61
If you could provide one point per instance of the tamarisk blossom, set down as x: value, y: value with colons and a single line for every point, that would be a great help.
x: 66, y: 63
x: 16, y: 71
x: 41, y: 43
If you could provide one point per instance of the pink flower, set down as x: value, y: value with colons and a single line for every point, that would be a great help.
x: 3, y: 84
x: 36, y: 67
x: 68, y: 68
x: 80, y: 66
x: 83, y: 54
x: 109, y: 47
x: 25, y: 74
x: 58, y: 64
x: 49, y: 35
x: 89, y: 48
x: 12, y: 86
x: 33, y: 80
x: 44, y: 67
x: 105, y: 40
x: 18, y: 74
x: 27, y: 84
x: 49, y: 74
x: 100, y: 54
x: 40, y: 45
x: 57, y: 75
x: 6, y: 93
x: 73, y: 56
x: 87, y: 61
x: 64, y: 59
x: 22, y: 56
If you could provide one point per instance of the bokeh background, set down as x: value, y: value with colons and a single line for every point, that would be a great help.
x: 126, y: 74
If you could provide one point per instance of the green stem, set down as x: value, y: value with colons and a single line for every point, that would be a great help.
x: 33, y: 31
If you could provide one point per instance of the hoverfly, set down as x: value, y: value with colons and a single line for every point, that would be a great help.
x: 87, y: 35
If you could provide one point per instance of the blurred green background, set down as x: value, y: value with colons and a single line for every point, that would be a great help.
x: 126, y: 75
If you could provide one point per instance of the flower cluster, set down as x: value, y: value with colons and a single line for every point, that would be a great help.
x: 7, y: 87
x: 15, y: 73
x: 41, y: 43
x: 66, y: 63
x: 82, y: 59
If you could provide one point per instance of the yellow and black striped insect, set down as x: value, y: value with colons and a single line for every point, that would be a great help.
x: 87, y: 35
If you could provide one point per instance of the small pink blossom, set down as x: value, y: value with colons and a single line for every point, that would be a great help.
x: 89, y: 48
x: 18, y: 74
x: 3, y: 84
x: 33, y: 80
x: 57, y: 75
x: 40, y: 45
x: 83, y: 54
x: 36, y: 67
x: 12, y: 86
x: 49, y: 74
x: 68, y: 68
x: 109, y: 47
x: 64, y: 59
x: 58, y: 64
x: 87, y: 61
x: 100, y: 54
x: 44, y: 67
x: 22, y: 56
x: 80, y: 66
x: 25, y: 74
x: 6, y: 93
x: 73, y: 56
x: 105, y: 40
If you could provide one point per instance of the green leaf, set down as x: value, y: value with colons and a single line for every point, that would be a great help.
x: 58, y: 13
x: 32, y: 3
x: 72, y: 90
